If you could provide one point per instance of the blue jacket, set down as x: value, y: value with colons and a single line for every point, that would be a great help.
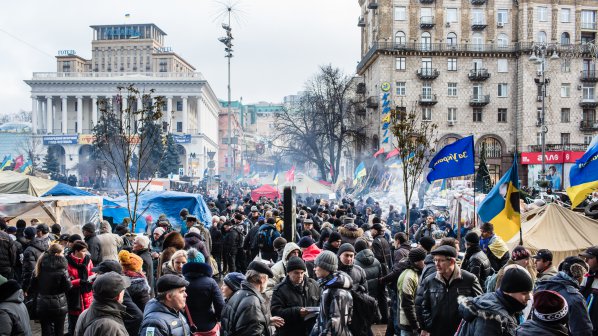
x: 163, y: 321
x: 203, y: 293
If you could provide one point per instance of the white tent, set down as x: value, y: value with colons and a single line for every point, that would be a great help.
x: 307, y: 185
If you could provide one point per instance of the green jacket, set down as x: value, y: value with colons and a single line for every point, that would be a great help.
x: 407, y: 290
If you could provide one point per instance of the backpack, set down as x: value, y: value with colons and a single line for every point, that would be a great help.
x: 365, y: 313
x: 265, y: 238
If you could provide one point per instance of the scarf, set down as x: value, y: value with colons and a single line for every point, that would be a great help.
x: 511, y: 304
x: 81, y: 268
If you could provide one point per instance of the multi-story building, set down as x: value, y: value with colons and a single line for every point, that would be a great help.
x: 259, y: 123
x: 465, y: 65
x: 230, y: 159
x: 64, y: 103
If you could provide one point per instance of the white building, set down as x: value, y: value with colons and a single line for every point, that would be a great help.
x: 64, y: 103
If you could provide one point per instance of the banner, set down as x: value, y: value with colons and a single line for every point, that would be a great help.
x: 456, y: 159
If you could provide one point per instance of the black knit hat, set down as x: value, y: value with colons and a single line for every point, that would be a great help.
x: 233, y: 280
x: 334, y: 236
x: 295, y: 263
x: 427, y: 243
x: 516, y: 280
x: 417, y: 254
x: 306, y: 242
x: 360, y: 245
x: 472, y: 238
x: 346, y: 247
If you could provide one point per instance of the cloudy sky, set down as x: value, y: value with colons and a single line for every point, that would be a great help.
x: 278, y: 43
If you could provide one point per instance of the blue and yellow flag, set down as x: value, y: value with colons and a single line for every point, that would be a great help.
x: 360, y: 171
x: 501, y: 205
x: 26, y: 168
x: 6, y: 162
x: 583, y: 176
x: 456, y: 159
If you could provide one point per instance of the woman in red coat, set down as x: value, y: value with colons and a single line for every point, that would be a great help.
x: 79, y: 269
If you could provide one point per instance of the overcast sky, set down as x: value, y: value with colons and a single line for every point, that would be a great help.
x: 278, y: 43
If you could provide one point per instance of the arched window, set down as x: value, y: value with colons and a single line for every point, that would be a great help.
x: 478, y: 41
x: 446, y: 141
x: 565, y: 38
x: 400, y: 38
x: 542, y: 36
x: 493, y: 148
x: 426, y: 41
x: 503, y: 40
x: 451, y: 39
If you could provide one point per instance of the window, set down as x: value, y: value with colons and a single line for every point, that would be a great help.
x: 426, y: 12
x: 426, y: 41
x: 452, y: 64
x: 502, y: 16
x: 477, y: 92
x: 452, y: 114
x: 565, y: 38
x: 539, y: 138
x: 542, y: 13
x: 427, y: 64
x: 477, y: 17
x: 451, y: 15
x: 503, y: 90
x: 541, y: 36
x: 565, y: 15
x: 451, y: 39
x: 588, y: 92
x: 565, y: 115
x: 179, y: 126
x: 427, y: 90
x: 400, y: 88
x: 502, y: 115
x: 400, y: 13
x: 400, y: 38
x: 565, y: 138
x: 587, y: 138
x: 400, y: 63
x: 477, y: 114
x: 427, y: 113
x: 539, y: 115
x: 452, y: 89
x: 565, y: 65
x: 179, y: 106
x: 478, y: 42
x: 502, y: 65
x: 588, y: 19
x: 565, y: 90
x: 502, y: 40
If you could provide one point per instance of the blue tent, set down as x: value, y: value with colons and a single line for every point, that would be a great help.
x: 62, y: 189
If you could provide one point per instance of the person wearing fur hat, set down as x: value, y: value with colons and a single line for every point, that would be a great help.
x: 204, y: 298
x: 350, y: 232
x: 279, y: 269
x: 173, y: 242
x: 567, y: 284
x: 407, y: 290
x: 132, y: 265
x: 175, y: 264
x: 549, y: 316
x: 496, y: 313
x: 291, y: 297
x: 110, y: 243
x: 14, y: 319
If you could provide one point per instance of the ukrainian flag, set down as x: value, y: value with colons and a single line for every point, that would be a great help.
x: 360, y: 171
x: 6, y: 162
x: 275, y: 178
x: 26, y: 168
x: 583, y: 176
x: 501, y: 205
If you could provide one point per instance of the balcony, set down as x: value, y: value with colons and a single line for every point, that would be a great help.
x: 588, y: 26
x: 588, y: 125
x: 373, y: 4
x: 478, y: 2
x: 478, y: 74
x: 360, y: 89
x: 589, y: 76
x: 480, y: 100
x: 478, y: 25
x: 427, y: 99
x: 427, y: 73
x: 588, y: 103
x: 426, y: 22
x: 361, y: 22
x: 372, y: 102
x: 426, y: 2
x: 559, y: 147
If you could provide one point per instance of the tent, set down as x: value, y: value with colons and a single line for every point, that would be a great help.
x: 265, y: 190
x: 307, y: 185
x: 562, y: 231
x: 17, y: 183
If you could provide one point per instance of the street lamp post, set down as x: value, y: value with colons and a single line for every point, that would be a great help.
x: 228, y: 43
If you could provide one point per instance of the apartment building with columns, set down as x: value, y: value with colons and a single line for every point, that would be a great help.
x: 465, y: 65
x: 64, y: 103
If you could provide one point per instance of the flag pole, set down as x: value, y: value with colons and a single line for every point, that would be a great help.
x: 475, y: 214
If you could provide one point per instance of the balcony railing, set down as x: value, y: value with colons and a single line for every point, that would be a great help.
x: 478, y: 74
x: 426, y: 1
x: 559, y: 147
x: 372, y: 102
x: 427, y: 73
x: 427, y: 99
x: 588, y: 125
x: 588, y: 25
x: 361, y: 22
x: 478, y: 25
x: 588, y: 103
x: 589, y: 76
x: 83, y: 75
x: 426, y: 22
x: 373, y: 4
x: 480, y: 100
x: 478, y: 2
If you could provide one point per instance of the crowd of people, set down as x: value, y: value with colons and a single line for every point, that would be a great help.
x: 346, y: 267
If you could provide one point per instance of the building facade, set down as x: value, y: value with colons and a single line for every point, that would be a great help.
x: 64, y: 103
x: 465, y: 65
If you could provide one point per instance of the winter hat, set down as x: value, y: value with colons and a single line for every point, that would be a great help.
x: 520, y: 253
x: 376, y: 220
x: 74, y: 237
x: 194, y: 230
x: 170, y: 281
x: 130, y: 261
x: 360, y: 245
x: 11, y: 230
x: 346, y: 247
x: 295, y: 263
x: 279, y: 243
x: 260, y: 267
x: 550, y: 306
x: 427, y: 243
x: 89, y: 227
x: 193, y: 255
x: 43, y: 228
x: 327, y: 260
x: 29, y: 232
x: 472, y: 238
x: 516, y: 280
x: 334, y: 236
x: 445, y: 250
x: 233, y: 280
x: 417, y: 254
x: 377, y: 227
x: 574, y: 266
x: 306, y: 242
x: 159, y: 230
x: 7, y: 288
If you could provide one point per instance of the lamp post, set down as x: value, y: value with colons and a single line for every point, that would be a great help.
x: 228, y: 43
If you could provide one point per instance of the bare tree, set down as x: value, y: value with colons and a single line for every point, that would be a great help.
x: 322, y: 125
x: 32, y: 150
x: 127, y: 138
x: 416, y: 141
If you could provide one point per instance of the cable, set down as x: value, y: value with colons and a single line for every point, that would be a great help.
x: 26, y: 43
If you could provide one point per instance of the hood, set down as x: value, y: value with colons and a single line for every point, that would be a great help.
x: 487, y: 306
x: 194, y: 270
x: 52, y: 262
x: 350, y: 231
x: 558, y: 281
x: 339, y: 280
x: 193, y: 240
x: 41, y: 244
x: 365, y: 257
x: 288, y: 248
x: 310, y: 253
x: 429, y: 260
x: 105, y: 227
x: 10, y: 291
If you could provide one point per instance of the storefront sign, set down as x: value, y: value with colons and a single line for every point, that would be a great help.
x: 60, y: 139
x: 86, y: 139
x: 550, y: 157
x: 181, y: 138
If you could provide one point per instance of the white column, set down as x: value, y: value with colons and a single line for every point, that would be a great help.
x: 49, y: 116
x: 79, y: 114
x: 169, y: 113
x: 40, y: 114
x: 199, y: 116
x: 185, y: 116
x: 94, y: 110
x: 34, y: 114
x: 64, y: 117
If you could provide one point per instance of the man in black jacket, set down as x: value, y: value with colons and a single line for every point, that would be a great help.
x: 291, y: 297
x: 38, y: 245
x: 93, y: 243
x: 231, y: 243
x: 476, y: 261
x: 380, y: 245
x: 8, y: 256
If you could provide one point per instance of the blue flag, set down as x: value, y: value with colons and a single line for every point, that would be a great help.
x: 385, y: 96
x: 456, y: 159
x: 584, y: 176
x: 385, y: 140
x: 386, y: 110
x: 385, y: 126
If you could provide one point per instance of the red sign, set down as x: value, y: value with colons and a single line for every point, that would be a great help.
x: 551, y: 157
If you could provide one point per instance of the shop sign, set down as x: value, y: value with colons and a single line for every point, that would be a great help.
x: 550, y: 157
x: 60, y: 139
x: 181, y: 138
